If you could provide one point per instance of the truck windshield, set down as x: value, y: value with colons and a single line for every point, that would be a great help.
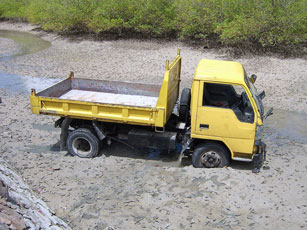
x: 253, y: 90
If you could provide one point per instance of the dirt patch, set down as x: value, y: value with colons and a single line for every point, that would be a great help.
x: 125, y: 190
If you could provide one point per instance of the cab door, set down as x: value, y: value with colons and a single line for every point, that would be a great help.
x: 217, y: 120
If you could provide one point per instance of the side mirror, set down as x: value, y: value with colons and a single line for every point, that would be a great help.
x: 269, y: 113
x: 253, y: 78
x: 262, y: 94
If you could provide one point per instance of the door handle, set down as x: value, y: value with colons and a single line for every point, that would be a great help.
x: 204, y: 126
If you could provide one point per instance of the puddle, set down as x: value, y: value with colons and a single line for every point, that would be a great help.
x: 45, y: 127
x: 23, y: 84
x: 285, y: 126
x: 29, y: 43
x: 43, y: 148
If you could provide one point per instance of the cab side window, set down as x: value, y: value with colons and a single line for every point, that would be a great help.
x: 232, y: 97
x: 219, y: 95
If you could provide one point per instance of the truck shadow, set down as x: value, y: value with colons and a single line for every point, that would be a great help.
x: 152, y: 156
x: 243, y: 165
x: 158, y: 158
x: 161, y: 158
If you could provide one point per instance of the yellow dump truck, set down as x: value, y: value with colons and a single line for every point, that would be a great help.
x: 220, y: 118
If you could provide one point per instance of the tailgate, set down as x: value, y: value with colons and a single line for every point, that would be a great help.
x: 169, y: 90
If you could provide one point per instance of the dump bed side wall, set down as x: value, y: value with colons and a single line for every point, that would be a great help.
x: 117, y: 87
x: 57, y: 90
x: 48, y: 102
x: 169, y: 91
x: 93, y: 111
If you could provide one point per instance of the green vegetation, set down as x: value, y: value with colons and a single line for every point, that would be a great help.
x: 264, y: 24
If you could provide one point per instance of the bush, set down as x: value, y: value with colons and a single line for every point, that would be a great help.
x: 239, y: 23
x: 61, y: 15
x: 13, y: 8
x: 198, y: 18
x: 114, y: 16
x: 267, y: 22
x: 155, y: 17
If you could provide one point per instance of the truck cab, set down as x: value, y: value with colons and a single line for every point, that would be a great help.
x: 226, y: 114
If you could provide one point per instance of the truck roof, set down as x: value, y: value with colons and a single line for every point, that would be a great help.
x: 219, y: 71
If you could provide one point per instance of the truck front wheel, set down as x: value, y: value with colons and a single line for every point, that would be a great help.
x: 83, y: 143
x: 210, y: 155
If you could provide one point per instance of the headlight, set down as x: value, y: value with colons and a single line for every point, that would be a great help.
x: 259, y: 132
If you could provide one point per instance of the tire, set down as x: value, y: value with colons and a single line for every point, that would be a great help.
x: 82, y: 143
x: 184, y: 104
x: 210, y: 155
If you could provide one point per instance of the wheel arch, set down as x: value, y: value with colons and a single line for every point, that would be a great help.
x: 65, y: 122
x: 198, y: 142
x: 90, y: 139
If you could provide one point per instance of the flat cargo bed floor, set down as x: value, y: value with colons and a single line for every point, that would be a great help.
x: 110, y: 98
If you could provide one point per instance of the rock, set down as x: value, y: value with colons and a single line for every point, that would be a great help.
x: 266, y: 167
x: 3, y: 191
x: 33, y: 210
x: 2, y: 201
x: 5, y: 219
x: 6, y: 135
x: 4, y: 226
x: 55, y: 228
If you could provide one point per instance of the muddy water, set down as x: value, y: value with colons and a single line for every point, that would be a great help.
x: 23, y: 84
x: 28, y: 44
x: 286, y: 126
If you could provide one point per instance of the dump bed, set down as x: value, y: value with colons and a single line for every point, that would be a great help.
x: 112, y: 101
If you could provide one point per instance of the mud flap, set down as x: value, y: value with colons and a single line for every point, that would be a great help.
x: 64, y: 133
x: 186, y: 147
x: 99, y: 130
x: 260, y: 157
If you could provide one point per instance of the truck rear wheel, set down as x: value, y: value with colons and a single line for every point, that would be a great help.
x: 210, y: 155
x: 83, y: 143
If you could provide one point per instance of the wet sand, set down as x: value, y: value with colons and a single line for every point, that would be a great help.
x: 127, y: 190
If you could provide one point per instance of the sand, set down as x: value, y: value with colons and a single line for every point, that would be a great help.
x: 123, y: 189
x: 110, y: 98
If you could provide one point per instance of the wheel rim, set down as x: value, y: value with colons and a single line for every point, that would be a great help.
x: 81, y: 146
x: 210, y: 159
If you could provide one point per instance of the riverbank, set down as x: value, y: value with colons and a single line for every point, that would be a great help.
x: 126, y: 190
x: 254, y: 26
x: 144, y: 61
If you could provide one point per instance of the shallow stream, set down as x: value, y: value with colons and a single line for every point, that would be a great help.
x: 27, y: 44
